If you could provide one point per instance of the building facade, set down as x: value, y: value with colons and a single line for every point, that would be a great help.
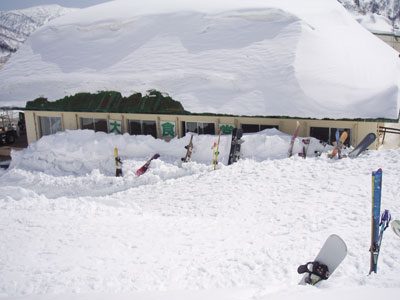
x: 167, y: 126
x: 390, y: 39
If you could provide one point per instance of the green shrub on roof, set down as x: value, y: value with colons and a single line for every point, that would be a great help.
x: 111, y: 101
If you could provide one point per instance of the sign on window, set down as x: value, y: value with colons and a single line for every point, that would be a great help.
x: 168, y: 129
x: 226, y: 128
x: 115, y: 126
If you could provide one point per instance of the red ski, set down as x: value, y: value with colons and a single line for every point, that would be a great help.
x: 296, y: 132
x: 144, y: 168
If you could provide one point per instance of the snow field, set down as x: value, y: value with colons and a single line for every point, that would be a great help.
x: 182, y: 231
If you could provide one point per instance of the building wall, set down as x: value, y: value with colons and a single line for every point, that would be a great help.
x: 389, y: 137
x: 391, y: 40
x: 71, y: 120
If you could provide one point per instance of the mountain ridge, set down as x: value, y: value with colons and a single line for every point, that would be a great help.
x: 17, y: 25
x: 367, y: 12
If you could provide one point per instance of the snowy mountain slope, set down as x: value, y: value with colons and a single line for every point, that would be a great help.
x: 17, y: 25
x: 278, y: 57
x: 378, y: 16
x: 181, y: 231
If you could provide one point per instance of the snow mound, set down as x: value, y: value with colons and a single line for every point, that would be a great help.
x: 182, y: 231
x: 82, y: 161
x: 79, y: 152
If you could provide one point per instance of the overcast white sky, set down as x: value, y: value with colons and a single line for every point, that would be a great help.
x: 19, y: 4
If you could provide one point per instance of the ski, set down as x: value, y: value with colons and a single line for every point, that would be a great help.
x: 325, y: 263
x: 296, y: 132
x: 396, y: 227
x: 306, y: 144
x: 189, y: 150
x: 375, y: 214
x: 339, y: 144
x: 215, y: 149
x: 363, y: 145
x: 118, y: 163
x: 234, y: 153
x: 144, y: 168
x: 383, y: 225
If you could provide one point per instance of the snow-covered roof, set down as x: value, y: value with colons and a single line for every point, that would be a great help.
x: 303, y: 58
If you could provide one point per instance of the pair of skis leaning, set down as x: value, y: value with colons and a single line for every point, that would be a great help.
x: 234, y: 153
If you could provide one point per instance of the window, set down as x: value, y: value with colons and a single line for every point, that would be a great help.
x: 328, y: 135
x: 248, y: 128
x: 49, y: 125
x: 199, y: 127
x: 141, y: 127
x: 94, y: 124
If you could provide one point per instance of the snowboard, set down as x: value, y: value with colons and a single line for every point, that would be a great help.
x: 339, y: 144
x: 144, y: 168
x: 118, y: 163
x: 234, y: 153
x: 215, y: 149
x: 189, y: 150
x: 396, y: 227
x: 325, y: 263
x: 368, y: 140
x: 296, y: 132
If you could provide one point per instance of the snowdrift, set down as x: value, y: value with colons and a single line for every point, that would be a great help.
x: 70, y: 229
x: 305, y: 58
x: 79, y: 152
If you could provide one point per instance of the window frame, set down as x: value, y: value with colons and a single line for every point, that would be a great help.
x: 261, y: 127
x: 331, y: 134
x: 142, y: 127
x: 200, y: 127
x: 51, y: 123
x: 93, y: 124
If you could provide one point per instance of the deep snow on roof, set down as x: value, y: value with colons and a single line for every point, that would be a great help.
x: 303, y: 58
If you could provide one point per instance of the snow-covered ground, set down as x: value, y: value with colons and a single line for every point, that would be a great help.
x: 69, y: 229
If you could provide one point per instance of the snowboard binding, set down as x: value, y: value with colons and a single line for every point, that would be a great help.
x: 316, y: 272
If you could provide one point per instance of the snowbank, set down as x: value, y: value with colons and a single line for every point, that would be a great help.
x: 79, y: 152
x: 182, y: 231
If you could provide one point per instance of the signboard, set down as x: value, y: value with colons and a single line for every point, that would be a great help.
x: 226, y: 128
x: 168, y: 128
x: 115, y: 126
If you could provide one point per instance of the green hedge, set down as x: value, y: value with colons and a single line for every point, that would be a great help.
x: 112, y: 102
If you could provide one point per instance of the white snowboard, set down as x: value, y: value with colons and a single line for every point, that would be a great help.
x: 331, y: 254
x: 396, y: 226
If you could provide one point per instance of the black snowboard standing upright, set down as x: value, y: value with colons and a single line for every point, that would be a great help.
x: 234, y: 153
